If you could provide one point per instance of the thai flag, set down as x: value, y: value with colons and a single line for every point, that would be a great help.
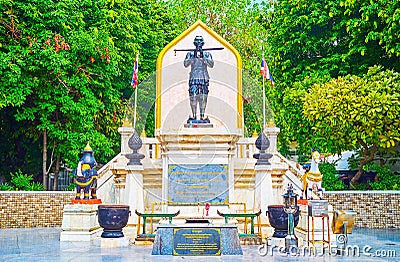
x: 264, y: 70
x: 134, y: 81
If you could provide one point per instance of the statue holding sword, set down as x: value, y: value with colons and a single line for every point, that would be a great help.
x: 199, y: 59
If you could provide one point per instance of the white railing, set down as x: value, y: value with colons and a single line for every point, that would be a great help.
x: 292, y: 167
x: 104, y: 173
x: 246, y: 147
x: 150, y: 148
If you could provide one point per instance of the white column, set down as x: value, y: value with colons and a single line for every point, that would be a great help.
x: 120, y: 182
x: 126, y: 132
x: 231, y: 178
x: 263, y: 190
x: 134, y: 193
x: 272, y: 134
x: 165, y: 184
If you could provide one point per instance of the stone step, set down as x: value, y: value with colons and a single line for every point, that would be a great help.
x: 144, y: 241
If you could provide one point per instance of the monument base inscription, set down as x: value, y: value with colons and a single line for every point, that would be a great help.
x: 196, y: 183
x: 197, y: 241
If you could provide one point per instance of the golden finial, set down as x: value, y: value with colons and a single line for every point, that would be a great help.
x: 87, y: 147
x: 271, y: 123
x: 126, y: 123
x: 255, y: 134
x: 143, y: 134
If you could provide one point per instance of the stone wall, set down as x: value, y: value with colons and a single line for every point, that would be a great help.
x: 32, y: 209
x: 375, y: 209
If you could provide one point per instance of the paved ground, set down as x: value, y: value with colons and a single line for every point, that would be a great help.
x: 42, y: 244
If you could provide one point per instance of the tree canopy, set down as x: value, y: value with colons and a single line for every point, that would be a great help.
x: 66, y: 69
x: 354, y: 112
x: 312, y: 42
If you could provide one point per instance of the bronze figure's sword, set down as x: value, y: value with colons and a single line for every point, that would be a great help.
x: 197, y: 50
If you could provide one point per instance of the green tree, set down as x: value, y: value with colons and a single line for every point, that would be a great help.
x: 295, y: 125
x: 67, y: 66
x: 386, y: 179
x: 320, y: 40
x: 331, y: 39
x: 330, y: 178
x: 352, y: 113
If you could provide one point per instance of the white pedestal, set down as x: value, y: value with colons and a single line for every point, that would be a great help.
x: 263, y: 187
x: 111, y: 242
x: 134, y: 191
x: 80, y: 223
x: 205, y: 150
x: 126, y: 132
x: 272, y: 134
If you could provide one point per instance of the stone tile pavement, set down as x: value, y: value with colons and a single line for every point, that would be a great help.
x: 42, y: 244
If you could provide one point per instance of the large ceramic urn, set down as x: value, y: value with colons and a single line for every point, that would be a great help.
x: 278, y: 219
x: 113, y: 218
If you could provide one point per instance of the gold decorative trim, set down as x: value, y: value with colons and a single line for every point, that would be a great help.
x: 86, y: 183
x: 172, y: 44
x: 314, y: 176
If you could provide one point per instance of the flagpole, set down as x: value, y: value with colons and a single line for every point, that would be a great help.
x: 136, y: 88
x: 134, y: 114
x: 263, y: 102
x: 263, y: 82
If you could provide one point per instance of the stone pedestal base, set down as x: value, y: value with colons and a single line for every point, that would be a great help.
x: 111, y: 242
x: 199, y: 125
x: 80, y: 236
x: 275, y: 242
x: 200, y: 238
x: 80, y: 223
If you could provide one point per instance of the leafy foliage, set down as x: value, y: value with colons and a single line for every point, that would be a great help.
x: 323, y: 40
x: 385, y: 179
x: 6, y: 187
x: 371, y: 113
x: 22, y: 182
x: 70, y: 187
x: 66, y: 69
x: 296, y: 127
x: 330, y: 177
x: 331, y: 39
x: 353, y: 112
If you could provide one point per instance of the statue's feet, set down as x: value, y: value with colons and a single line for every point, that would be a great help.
x: 94, y: 197
x: 77, y: 198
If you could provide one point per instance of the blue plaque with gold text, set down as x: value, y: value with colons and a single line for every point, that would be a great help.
x: 193, y: 183
x: 197, y: 241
